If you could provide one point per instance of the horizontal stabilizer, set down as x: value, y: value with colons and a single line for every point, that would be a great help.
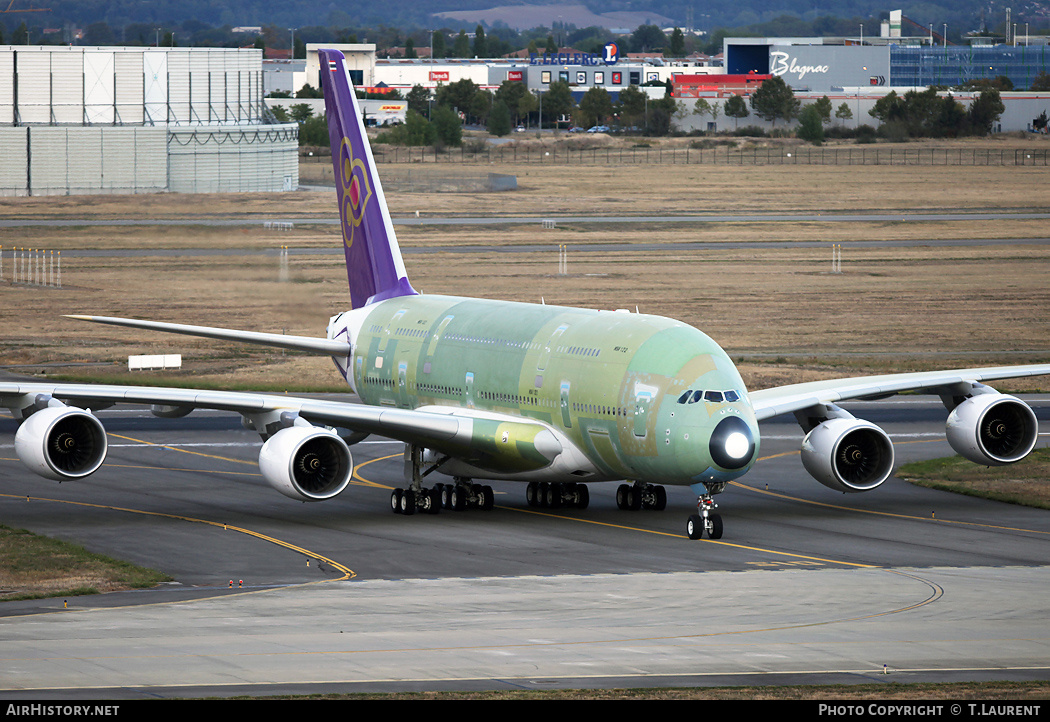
x: 307, y: 344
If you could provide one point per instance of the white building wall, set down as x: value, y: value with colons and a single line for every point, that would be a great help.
x: 110, y: 120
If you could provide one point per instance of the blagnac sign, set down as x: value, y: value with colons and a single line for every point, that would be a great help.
x: 783, y: 64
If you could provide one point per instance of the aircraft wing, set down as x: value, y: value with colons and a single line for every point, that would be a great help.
x: 485, y: 439
x: 319, y: 346
x: 787, y: 399
x: 411, y: 426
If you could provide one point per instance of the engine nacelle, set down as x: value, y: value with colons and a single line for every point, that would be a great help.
x: 61, y: 443
x: 992, y: 429
x: 306, y: 463
x: 847, y: 454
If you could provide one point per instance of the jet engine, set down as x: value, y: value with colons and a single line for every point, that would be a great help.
x: 992, y: 429
x: 61, y: 443
x: 848, y: 454
x: 306, y: 463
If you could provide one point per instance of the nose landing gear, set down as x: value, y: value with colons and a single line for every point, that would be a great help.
x: 705, y: 520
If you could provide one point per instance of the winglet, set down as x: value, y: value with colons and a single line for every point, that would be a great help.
x: 374, y: 267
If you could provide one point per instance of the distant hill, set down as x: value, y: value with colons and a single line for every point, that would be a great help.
x: 524, y: 17
x: 191, y: 16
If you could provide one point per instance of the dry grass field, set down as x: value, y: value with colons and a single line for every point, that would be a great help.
x: 779, y: 311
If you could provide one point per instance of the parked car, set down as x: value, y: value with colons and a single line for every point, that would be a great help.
x: 575, y: 129
x: 598, y: 129
x: 520, y: 129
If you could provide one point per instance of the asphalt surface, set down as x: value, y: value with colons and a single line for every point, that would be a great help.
x: 807, y: 585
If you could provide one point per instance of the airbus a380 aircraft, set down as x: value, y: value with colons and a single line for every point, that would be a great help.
x: 552, y: 396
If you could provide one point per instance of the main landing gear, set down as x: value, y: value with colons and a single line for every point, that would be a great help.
x: 556, y: 494
x: 459, y: 496
x: 641, y: 496
x: 705, y: 520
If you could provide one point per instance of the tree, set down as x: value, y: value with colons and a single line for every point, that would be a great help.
x: 456, y: 95
x: 438, y: 44
x: 823, y: 107
x: 595, y: 106
x: 660, y: 113
x: 551, y: 47
x: 499, y: 119
x: 632, y: 106
x: 314, y: 131
x: 416, y: 130
x: 703, y: 108
x: 481, y: 105
x: 811, y: 125
x: 461, y: 48
x: 676, y: 45
x: 1041, y: 82
x: 301, y: 111
x: 419, y: 99
x: 410, y: 49
x: 736, y: 108
x: 558, y: 101
x: 512, y: 92
x: 527, y: 105
x: 448, y: 130
x: 480, y: 48
x: 984, y: 111
x: 774, y: 100
x: 309, y: 91
x: 843, y: 112
x: 647, y: 39
x: 1039, y: 123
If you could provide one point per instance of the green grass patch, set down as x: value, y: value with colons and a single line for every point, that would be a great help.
x: 35, y: 567
x: 982, y: 691
x: 1027, y: 482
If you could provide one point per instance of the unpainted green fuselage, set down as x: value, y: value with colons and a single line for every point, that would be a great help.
x: 611, y: 382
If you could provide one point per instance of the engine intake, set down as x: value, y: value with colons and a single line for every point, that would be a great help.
x: 306, y: 463
x: 992, y: 429
x: 61, y: 443
x: 848, y: 454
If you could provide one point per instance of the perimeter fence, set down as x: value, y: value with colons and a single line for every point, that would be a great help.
x: 721, y: 155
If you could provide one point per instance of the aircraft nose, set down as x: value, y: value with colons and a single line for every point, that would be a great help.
x: 732, y: 443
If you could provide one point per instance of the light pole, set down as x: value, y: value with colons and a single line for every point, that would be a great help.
x: 292, y: 55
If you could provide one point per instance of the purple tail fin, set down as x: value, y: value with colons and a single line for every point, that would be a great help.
x: 374, y: 266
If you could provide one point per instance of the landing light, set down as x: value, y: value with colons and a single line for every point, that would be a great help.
x: 737, y: 445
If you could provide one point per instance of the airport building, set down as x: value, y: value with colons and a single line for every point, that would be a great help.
x: 81, y: 120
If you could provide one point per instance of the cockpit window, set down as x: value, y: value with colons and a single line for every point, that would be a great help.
x: 691, y: 396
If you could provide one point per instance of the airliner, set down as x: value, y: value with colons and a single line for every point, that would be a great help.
x: 480, y: 390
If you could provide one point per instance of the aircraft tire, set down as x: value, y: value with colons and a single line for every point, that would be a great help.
x: 531, y: 492
x: 395, y: 501
x: 695, y: 527
x: 408, y: 502
x: 634, y: 499
x: 583, y: 496
x: 661, y: 498
x: 488, y: 499
x: 715, y: 532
